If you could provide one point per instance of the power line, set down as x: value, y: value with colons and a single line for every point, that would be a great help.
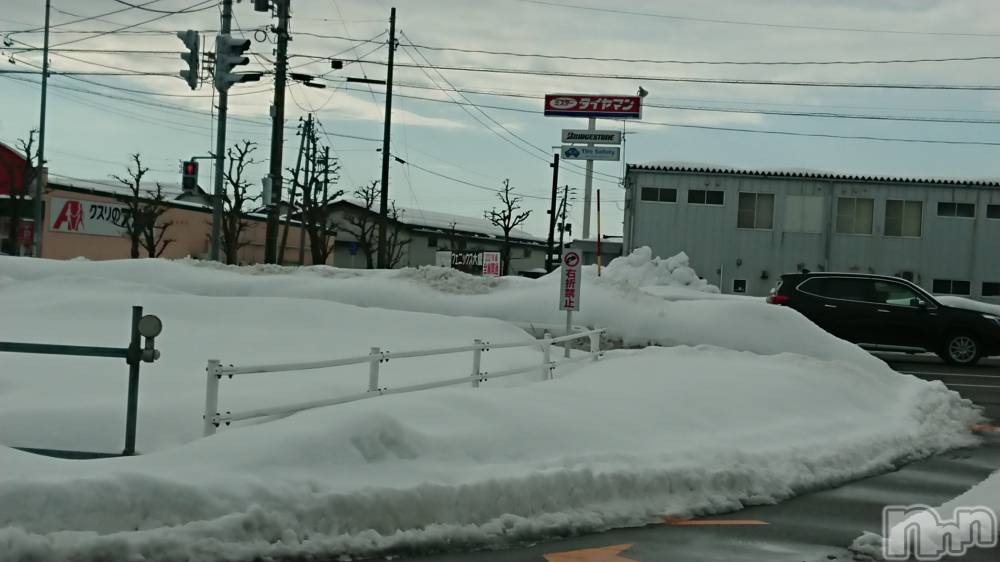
x: 707, y: 108
x: 154, y: 10
x: 820, y: 135
x: 83, y: 19
x: 705, y: 62
x: 201, y: 4
x: 758, y: 24
x: 497, y: 123
x: 740, y: 81
x: 762, y: 131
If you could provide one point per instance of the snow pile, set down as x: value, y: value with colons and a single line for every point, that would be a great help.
x: 632, y: 316
x: 638, y: 435
x: 682, y: 431
x: 451, y: 281
x: 641, y: 269
x: 973, y: 514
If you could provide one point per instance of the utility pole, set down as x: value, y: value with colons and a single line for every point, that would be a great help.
x: 277, y: 132
x: 383, y: 213
x: 552, y: 214
x: 220, y: 139
x: 291, y: 202
x: 563, y: 208
x: 308, y: 197
x: 36, y: 230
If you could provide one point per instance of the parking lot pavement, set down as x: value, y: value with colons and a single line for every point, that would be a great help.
x: 813, y: 527
x: 980, y: 383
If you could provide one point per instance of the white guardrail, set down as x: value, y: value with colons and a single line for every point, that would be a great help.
x: 216, y: 370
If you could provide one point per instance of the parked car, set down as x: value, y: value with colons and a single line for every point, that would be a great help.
x: 880, y: 312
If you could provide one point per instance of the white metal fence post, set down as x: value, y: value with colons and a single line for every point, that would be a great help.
x: 477, y: 359
x: 213, y: 372
x: 547, y: 357
x: 373, y: 365
x: 595, y: 345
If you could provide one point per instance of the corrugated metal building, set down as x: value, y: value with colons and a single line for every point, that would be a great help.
x: 744, y: 228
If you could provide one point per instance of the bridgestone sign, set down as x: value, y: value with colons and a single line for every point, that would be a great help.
x: 583, y: 136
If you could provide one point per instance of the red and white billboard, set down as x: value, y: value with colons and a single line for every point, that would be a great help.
x: 491, y: 264
x: 87, y: 217
x: 582, y: 105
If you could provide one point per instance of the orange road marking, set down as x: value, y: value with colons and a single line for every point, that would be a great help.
x: 603, y: 554
x: 677, y: 521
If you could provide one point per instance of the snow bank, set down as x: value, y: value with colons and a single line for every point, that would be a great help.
x: 661, y: 314
x: 641, y: 269
x: 681, y: 431
x: 986, y: 495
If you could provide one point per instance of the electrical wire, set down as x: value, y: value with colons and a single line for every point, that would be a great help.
x: 200, y: 4
x: 750, y: 111
x: 83, y: 19
x: 154, y: 10
x: 757, y: 24
x: 488, y: 116
x: 705, y: 62
x: 701, y: 80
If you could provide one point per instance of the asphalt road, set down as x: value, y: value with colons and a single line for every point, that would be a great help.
x: 981, y: 383
x: 815, y: 527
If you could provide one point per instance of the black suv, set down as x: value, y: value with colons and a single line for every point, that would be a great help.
x: 889, y: 313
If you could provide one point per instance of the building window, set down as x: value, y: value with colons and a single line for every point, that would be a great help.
x: 964, y: 210
x: 902, y: 218
x: 993, y: 211
x: 951, y: 287
x: 706, y: 197
x: 854, y: 215
x: 432, y: 242
x: 804, y: 213
x: 756, y: 210
x: 739, y: 285
x: 659, y: 194
x: 991, y: 289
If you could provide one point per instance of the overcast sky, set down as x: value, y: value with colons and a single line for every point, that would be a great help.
x: 91, y: 128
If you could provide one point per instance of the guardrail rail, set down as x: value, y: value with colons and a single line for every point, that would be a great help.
x: 215, y: 371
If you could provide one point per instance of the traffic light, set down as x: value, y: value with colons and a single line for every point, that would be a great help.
x: 228, y: 55
x: 189, y: 175
x: 191, y: 40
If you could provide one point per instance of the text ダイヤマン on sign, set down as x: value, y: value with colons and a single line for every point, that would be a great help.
x: 569, y: 284
x: 581, y: 105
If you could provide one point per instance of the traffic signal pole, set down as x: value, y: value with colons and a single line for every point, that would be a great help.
x: 220, y: 141
x: 277, y: 133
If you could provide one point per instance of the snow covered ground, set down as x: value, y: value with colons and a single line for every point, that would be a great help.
x: 773, y: 407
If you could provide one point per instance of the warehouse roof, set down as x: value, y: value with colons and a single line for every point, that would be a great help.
x: 807, y: 174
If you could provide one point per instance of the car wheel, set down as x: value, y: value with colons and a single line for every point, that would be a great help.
x: 961, y: 349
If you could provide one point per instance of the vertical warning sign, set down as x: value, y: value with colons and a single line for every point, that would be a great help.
x: 569, y: 291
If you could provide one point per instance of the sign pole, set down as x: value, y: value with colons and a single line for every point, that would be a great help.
x: 569, y: 327
x: 598, y: 232
x: 588, y: 185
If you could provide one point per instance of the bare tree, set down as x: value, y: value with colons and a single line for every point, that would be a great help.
x: 19, y: 194
x: 363, y: 225
x: 317, y: 198
x: 141, y: 222
x: 507, y: 218
x: 235, y: 198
